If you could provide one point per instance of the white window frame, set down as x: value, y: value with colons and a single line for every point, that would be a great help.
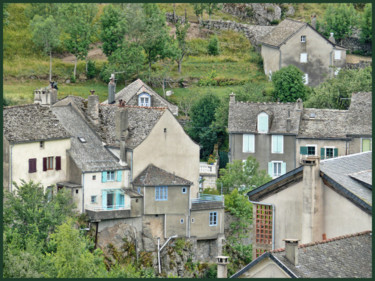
x: 94, y: 199
x: 111, y: 175
x: 282, y: 144
x: 312, y: 145
x: 362, y: 143
x: 144, y: 103
x: 261, y: 116
x: 325, y: 151
x: 182, y: 221
x: 337, y: 54
x: 303, y: 58
x: 303, y: 38
x: 273, y: 168
x: 214, y: 216
x: 305, y: 78
x: 251, y: 145
x: 184, y: 190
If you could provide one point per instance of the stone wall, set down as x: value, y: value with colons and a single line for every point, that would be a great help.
x: 354, y: 45
x: 169, y: 17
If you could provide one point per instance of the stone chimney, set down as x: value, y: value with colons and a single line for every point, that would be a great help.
x: 331, y: 38
x: 291, y: 250
x: 232, y: 98
x: 93, y: 107
x: 222, y: 266
x: 313, y: 21
x: 299, y: 104
x: 47, y: 95
x: 312, y: 200
x: 122, y: 124
x: 111, y: 89
x: 288, y: 124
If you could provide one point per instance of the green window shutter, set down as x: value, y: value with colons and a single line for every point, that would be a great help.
x: 322, y: 153
x: 303, y: 150
x: 119, y: 175
x: 335, y: 152
x: 366, y: 145
x: 104, y: 176
x: 104, y: 199
x: 283, y: 168
x: 270, y: 169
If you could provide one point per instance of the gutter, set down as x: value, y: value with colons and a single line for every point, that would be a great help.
x: 10, y: 168
x: 83, y: 192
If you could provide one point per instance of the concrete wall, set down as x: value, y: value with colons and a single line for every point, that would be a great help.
x: 265, y: 269
x: 177, y: 203
x: 135, y: 222
x: 6, y: 170
x: 263, y: 150
x: 176, y: 224
x: 200, y: 224
x: 355, y: 145
x: 20, y: 162
x: 271, y: 59
x: 172, y: 151
x: 74, y: 174
x: 136, y: 205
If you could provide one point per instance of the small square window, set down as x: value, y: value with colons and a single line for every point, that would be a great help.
x: 110, y: 175
x: 41, y: 144
x: 93, y: 199
x: 192, y: 220
x: 82, y: 139
x: 337, y: 55
x: 77, y: 191
x: 311, y: 150
x: 184, y: 190
x: 303, y: 39
x: 94, y: 177
x: 181, y: 221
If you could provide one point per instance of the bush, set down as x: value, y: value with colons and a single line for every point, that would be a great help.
x: 91, y: 69
x: 213, y: 46
x: 288, y: 84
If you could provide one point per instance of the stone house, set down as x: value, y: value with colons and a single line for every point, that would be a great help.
x: 298, y: 43
x: 318, y: 200
x: 347, y: 256
x: 266, y: 131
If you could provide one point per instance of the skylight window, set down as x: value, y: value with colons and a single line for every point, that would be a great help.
x: 82, y: 139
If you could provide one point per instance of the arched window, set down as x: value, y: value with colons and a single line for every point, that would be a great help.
x: 263, y: 122
x: 144, y: 99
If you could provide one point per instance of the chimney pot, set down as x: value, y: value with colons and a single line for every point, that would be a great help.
x: 222, y: 266
x: 232, y: 98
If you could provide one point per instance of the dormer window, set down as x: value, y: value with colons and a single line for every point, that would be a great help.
x: 263, y: 123
x: 144, y: 99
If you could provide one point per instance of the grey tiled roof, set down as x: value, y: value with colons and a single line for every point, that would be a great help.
x: 136, y: 87
x: 340, y: 170
x: 360, y: 114
x: 243, y: 117
x: 348, y: 256
x: 154, y: 176
x: 31, y: 123
x: 92, y: 155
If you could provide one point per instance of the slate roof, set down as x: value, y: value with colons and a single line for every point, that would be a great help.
x: 31, y: 122
x: 243, y: 117
x: 90, y: 156
x: 360, y: 114
x: 348, y: 256
x: 154, y: 176
x: 138, y: 86
x: 341, y: 170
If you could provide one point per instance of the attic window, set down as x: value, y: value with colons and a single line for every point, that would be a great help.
x: 144, y: 99
x: 263, y: 123
x: 312, y: 115
x: 82, y: 139
x: 303, y: 39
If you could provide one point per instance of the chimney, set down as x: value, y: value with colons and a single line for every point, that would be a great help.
x: 291, y: 250
x: 111, y: 89
x: 47, y: 95
x: 299, y: 104
x: 313, y: 21
x: 232, y: 98
x: 122, y: 124
x: 312, y: 200
x: 288, y: 124
x: 331, y: 38
x: 93, y: 107
x: 222, y: 266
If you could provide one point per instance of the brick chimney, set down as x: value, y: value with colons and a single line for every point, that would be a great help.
x: 291, y: 250
x: 93, y: 107
x: 312, y: 200
x: 331, y: 38
x: 232, y: 98
x: 111, y: 89
x: 122, y: 124
x: 222, y: 266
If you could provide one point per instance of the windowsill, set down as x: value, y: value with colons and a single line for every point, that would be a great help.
x: 213, y: 225
x: 277, y: 152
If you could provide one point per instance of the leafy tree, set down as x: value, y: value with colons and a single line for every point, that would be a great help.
x: 339, y: 19
x: 77, y: 21
x: 288, y: 84
x: 243, y: 176
x: 41, y: 9
x: 335, y: 93
x: 211, y: 8
x: 45, y: 35
x: 213, y: 46
x: 5, y: 14
x: 366, y: 24
x: 198, y: 10
x: 182, y: 46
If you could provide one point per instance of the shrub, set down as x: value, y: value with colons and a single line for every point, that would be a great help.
x: 91, y: 69
x: 288, y: 84
x: 213, y: 46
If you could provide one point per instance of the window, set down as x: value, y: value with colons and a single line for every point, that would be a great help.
x: 337, y: 55
x: 277, y: 144
x: 192, y: 220
x: 47, y: 163
x: 270, y: 75
x: 263, y: 122
x: 41, y: 144
x: 248, y: 143
x: 94, y: 177
x: 276, y: 168
x: 77, y: 191
x: 263, y: 228
x: 49, y: 193
x: 82, y: 139
x: 303, y: 39
x: 32, y: 165
x: 328, y: 152
x: 213, y: 218
x: 184, y: 190
x: 308, y: 149
x: 110, y: 175
x: 303, y: 57
x: 93, y: 199
x: 181, y: 221
x: 366, y: 145
x: 305, y: 78
x: 337, y: 70
x: 161, y: 193
x: 144, y: 100
x: 311, y: 150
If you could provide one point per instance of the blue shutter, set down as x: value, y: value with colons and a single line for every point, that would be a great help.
x: 322, y: 153
x: 270, y: 169
x: 104, y: 199
x: 245, y: 143
x: 303, y: 150
x: 280, y: 144
x: 283, y: 168
x: 122, y: 200
x: 104, y: 176
x: 335, y: 152
x: 118, y: 193
x: 119, y: 175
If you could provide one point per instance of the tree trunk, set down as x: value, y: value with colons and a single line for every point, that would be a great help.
x: 179, y: 62
x: 75, y: 68
x: 86, y: 64
x: 174, y: 13
x: 50, y: 65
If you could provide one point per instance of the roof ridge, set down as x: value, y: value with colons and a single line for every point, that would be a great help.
x: 136, y: 106
x: 23, y: 105
x: 325, y: 241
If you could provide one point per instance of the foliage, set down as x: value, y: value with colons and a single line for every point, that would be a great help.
x: 335, y: 93
x: 243, y: 176
x: 182, y: 45
x: 208, y: 80
x: 339, y: 19
x: 288, y: 84
x: 366, y: 24
x: 213, y: 46
x: 198, y: 10
x: 91, y: 69
x: 5, y: 14
x: 210, y: 8
x: 41, y: 9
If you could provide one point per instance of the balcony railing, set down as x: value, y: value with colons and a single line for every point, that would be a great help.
x: 202, y: 198
x: 205, y: 168
x: 108, y: 208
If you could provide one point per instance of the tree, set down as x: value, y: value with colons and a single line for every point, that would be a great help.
x: 213, y: 46
x: 78, y: 26
x: 211, y: 8
x: 339, y: 19
x: 336, y: 92
x: 41, y: 9
x: 182, y: 46
x: 366, y: 24
x: 45, y: 35
x: 198, y: 10
x: 243, y: 176
x: 5, y: 14
x: 288, y: 84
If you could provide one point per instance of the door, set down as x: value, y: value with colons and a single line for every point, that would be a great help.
x: 109, y: 201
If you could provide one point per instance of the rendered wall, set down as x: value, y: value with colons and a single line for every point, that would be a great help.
x: 265, y: 269
x: 201, y: 228
x: 271, y: 59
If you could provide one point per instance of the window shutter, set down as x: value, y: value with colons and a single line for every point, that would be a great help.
x: 32, y: 165
x: 58, y: 163
x: 117, y: 199
x: 283, y: 168
x: 44, y: 163
x: 303, y: 150
x: 322, y: 153
x: 335, y: 152
x: 245, y: 143
x: 104, y: 176
x: 270, y: 169
x: 104, y: 199
x: 119, y: 175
